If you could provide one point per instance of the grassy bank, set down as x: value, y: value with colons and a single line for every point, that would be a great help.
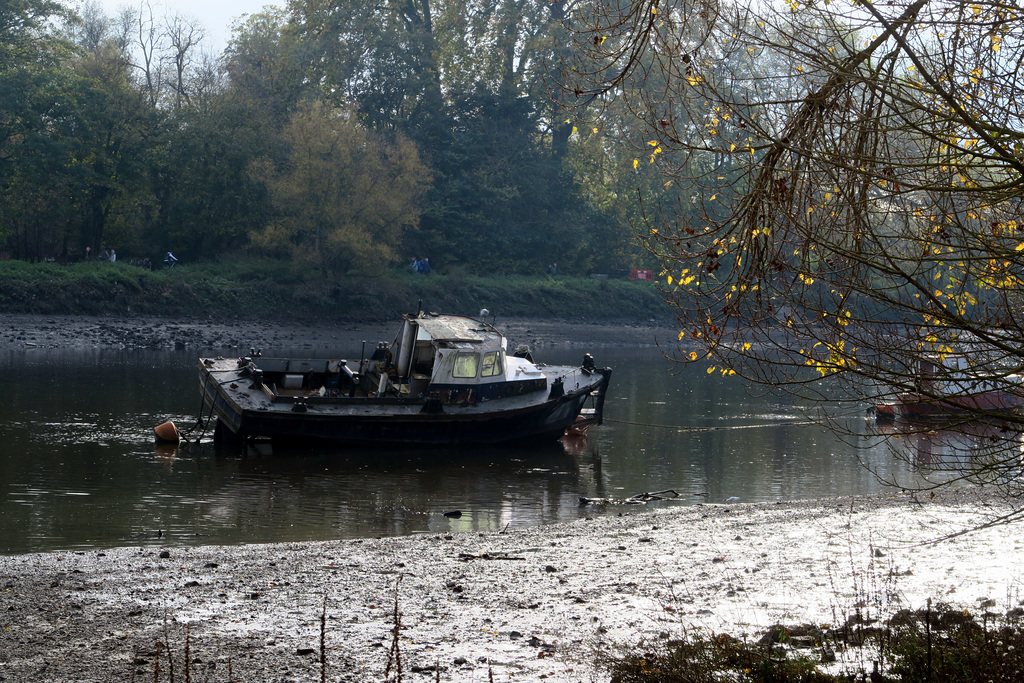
x: 261, y: 289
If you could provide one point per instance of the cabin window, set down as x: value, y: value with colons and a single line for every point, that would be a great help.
x: 492, y: 364
x: 465, y: 365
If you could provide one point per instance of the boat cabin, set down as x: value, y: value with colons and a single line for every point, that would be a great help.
x: 459, y: 360
x: 453, y: 359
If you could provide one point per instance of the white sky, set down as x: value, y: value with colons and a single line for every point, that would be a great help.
x: 215, y: 16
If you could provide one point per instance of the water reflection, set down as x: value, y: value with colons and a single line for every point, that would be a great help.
x: 79, y: 468
x: 982, y: 452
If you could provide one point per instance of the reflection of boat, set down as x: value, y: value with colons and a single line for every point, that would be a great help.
x: 951, y: 386
x: 980, y: 448
x: 445, y: 380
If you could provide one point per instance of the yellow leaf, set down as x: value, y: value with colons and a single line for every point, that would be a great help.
x: 712, y: 197
x: 636, y: 162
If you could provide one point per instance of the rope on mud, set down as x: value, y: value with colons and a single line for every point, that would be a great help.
x: 683, y: 428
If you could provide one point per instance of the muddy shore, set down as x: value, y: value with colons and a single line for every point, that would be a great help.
x: 30, y: 331
x: 543, y: 603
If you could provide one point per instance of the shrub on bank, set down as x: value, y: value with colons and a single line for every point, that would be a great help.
x: 261, y: 288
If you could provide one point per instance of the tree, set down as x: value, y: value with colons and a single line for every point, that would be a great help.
x: 344, y: 196
x: 383, y: 56
x: 183, y: 36
x: 498, y: 199
x: 209, y: 201
x: 113, y: 132
x: 467, y: 81
x: 860, y: 170
x: 31, y: 53
x: 265, y: 68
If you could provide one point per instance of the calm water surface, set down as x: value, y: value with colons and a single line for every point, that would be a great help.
x: 79, y: 468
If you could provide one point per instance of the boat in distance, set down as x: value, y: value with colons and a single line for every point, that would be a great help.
x: 954, y: 385
x: 445, y: 380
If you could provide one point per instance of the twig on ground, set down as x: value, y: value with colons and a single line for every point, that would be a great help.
x: 395, y: 654
x: 323, y: 642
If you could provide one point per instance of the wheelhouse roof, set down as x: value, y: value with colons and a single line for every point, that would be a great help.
x: 456, y: 329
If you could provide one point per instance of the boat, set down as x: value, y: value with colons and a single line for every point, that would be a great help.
x: 952, y: 386
x: 444, y: 380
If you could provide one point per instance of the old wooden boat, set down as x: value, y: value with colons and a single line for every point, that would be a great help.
x: 445, y: 379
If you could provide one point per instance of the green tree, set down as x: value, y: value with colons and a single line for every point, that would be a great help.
x: 31, y: 84
x: 114, y: 132
x: 383, y: 56
x: 267, y: 70
x: 500, y: 202
x: 344, y: 196
x: 209, y: 201
x: 471, y: 84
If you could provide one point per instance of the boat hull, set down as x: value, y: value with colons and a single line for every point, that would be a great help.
x: 399, y: 422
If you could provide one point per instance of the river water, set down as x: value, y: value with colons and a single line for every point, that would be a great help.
x: 79, y: 467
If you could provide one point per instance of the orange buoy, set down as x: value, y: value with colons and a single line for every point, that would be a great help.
x: 167, y: 432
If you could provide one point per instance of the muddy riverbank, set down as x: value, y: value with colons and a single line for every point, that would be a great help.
x: 36, y: 331
x: 548, y: 602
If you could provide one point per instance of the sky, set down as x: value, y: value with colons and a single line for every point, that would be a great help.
x: 216, y: 16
